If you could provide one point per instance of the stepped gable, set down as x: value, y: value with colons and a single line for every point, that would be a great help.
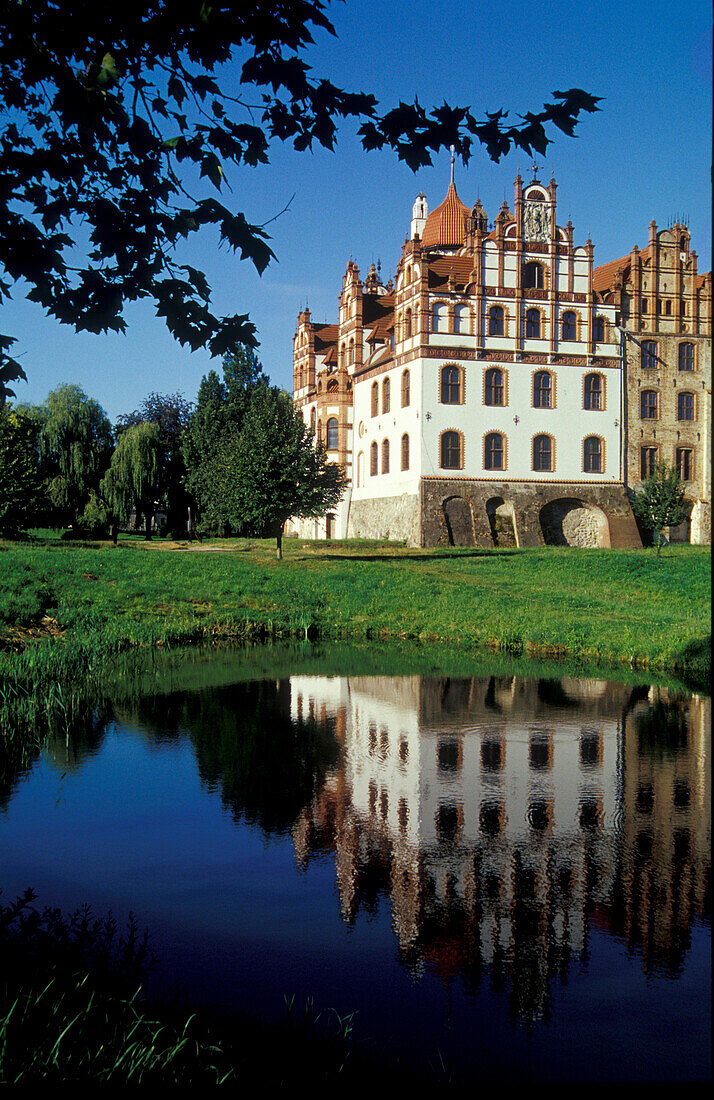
x: 446, y: 225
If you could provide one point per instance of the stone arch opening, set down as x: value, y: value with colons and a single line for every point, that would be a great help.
x: 459, y: 521
x: 569, y: 521
x: 502, y: 522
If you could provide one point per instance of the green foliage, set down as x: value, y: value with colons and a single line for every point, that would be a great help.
x: 212, y: 435
x: 75, y: 445
x: 171, y: 414
x: 115, y: 114
x: 660, y: 503
x: 279, y: 471
x: 21, y: 491
x: 133, y: 481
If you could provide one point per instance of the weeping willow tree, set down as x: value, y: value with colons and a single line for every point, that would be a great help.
x: 76, y: 446
x: 132, y: 481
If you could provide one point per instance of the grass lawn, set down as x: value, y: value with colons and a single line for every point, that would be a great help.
x: 601, y: 607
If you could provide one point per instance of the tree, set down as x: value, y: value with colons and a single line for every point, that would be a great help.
x: 660, y: 503
x: 21, y: 495
x: 213, y: 433
x: 133, y: 481
x: 75, y: 446
x: 116, y: 116
x: 172, y: 414
x: 279, y: 472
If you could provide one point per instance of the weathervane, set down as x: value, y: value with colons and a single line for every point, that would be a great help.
x: 534, y: 166
x: 452, y: 164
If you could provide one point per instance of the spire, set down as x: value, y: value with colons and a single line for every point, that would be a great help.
x: 452, y: 165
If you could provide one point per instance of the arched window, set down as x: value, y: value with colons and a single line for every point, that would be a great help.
x: 332, y: 434
x: 569, y: 325
x: 495, y: 321
x: 438, y: 314
x: 405, y: 388
x: 360, y: 469
x: 407, y: 324
x: 375, y: 399
x: 493, y: 451
x: 533, y: 323
x: 685, y: 406
x: 686, y: 356
x: 352, y: 352
x: 319, y: 431
x: 493, y: 393
x: 450, y: 386
x: 373, y: 460
x: 542, y: 453
x: 385, y: 456
x: 599, y: 330
x: 542, y: 390
x: 532, y: 276
x: 332, y: 386
x: 405, y: 452
x: 386, y: 395
x: 648, y: 404
x: 451, y: 451
x: 342, y: 356
x: 312, y: 421
x: 648, y: 354
x: 461, y: 319
x: 593, y: 391
x: 592, y: 455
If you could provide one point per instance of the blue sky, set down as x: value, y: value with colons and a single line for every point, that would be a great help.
x: 645, y: 155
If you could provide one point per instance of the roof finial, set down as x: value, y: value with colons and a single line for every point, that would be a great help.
x: 452, y: 166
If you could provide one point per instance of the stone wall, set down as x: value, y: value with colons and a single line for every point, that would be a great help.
x: 486, y: 514
x: 395, y: 518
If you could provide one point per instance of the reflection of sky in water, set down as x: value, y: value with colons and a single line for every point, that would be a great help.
x: 515, y: 872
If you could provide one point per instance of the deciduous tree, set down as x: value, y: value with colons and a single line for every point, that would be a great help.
x: 21, y: 490
x: 76, y: 445
x: 213, y: 433
x: 171, y: 413
x: 117, y: 116
x: 660, y: 503
x: 133, y: 481
x: 279, y: 471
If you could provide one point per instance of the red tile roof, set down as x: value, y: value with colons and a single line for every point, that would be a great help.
x: 446, y: 225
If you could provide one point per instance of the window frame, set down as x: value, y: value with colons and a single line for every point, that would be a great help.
x: 571, y: 319
x: 685, y: 357
x: 490, y: 388
x: 588, y: 456
x: 446, y: 441
x: 489, y: 451
x: 406, y: 388
x: 404, y: 449
x: 590, y: 393
x: 533, y: 267
x: 539, y: 391
x: 551, y: 452
x: 648, y: 393
x: 496, y: 325
x: 690, y: 406
x: 445, y: 386
x: 533, y: 323
x: 332, y: 434
x: 648, y: 355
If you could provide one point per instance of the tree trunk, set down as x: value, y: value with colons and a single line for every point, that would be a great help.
x: 148, y: 515
x: 115, y: 533
x: 280, y: 545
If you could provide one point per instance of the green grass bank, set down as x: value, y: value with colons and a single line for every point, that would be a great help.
x: 604, y: 609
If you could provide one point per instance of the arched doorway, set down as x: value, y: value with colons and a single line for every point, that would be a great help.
x: 459, y: 521
x: 501, y: 522
x: 568, y: 521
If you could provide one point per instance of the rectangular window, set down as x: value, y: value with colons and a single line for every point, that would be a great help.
x: 648, y: 460
x: 643, y: 305
x: 685, y: 462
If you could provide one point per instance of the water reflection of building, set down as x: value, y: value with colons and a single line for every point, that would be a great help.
x: 493, y: 814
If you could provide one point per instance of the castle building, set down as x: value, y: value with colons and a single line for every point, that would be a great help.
x: 487, y: 395
x: 665, y: 309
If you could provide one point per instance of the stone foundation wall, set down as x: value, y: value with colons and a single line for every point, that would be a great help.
x: 395, y: 518
x: 486, y: 514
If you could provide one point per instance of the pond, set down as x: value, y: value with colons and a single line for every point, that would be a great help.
x: 505, y: 874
